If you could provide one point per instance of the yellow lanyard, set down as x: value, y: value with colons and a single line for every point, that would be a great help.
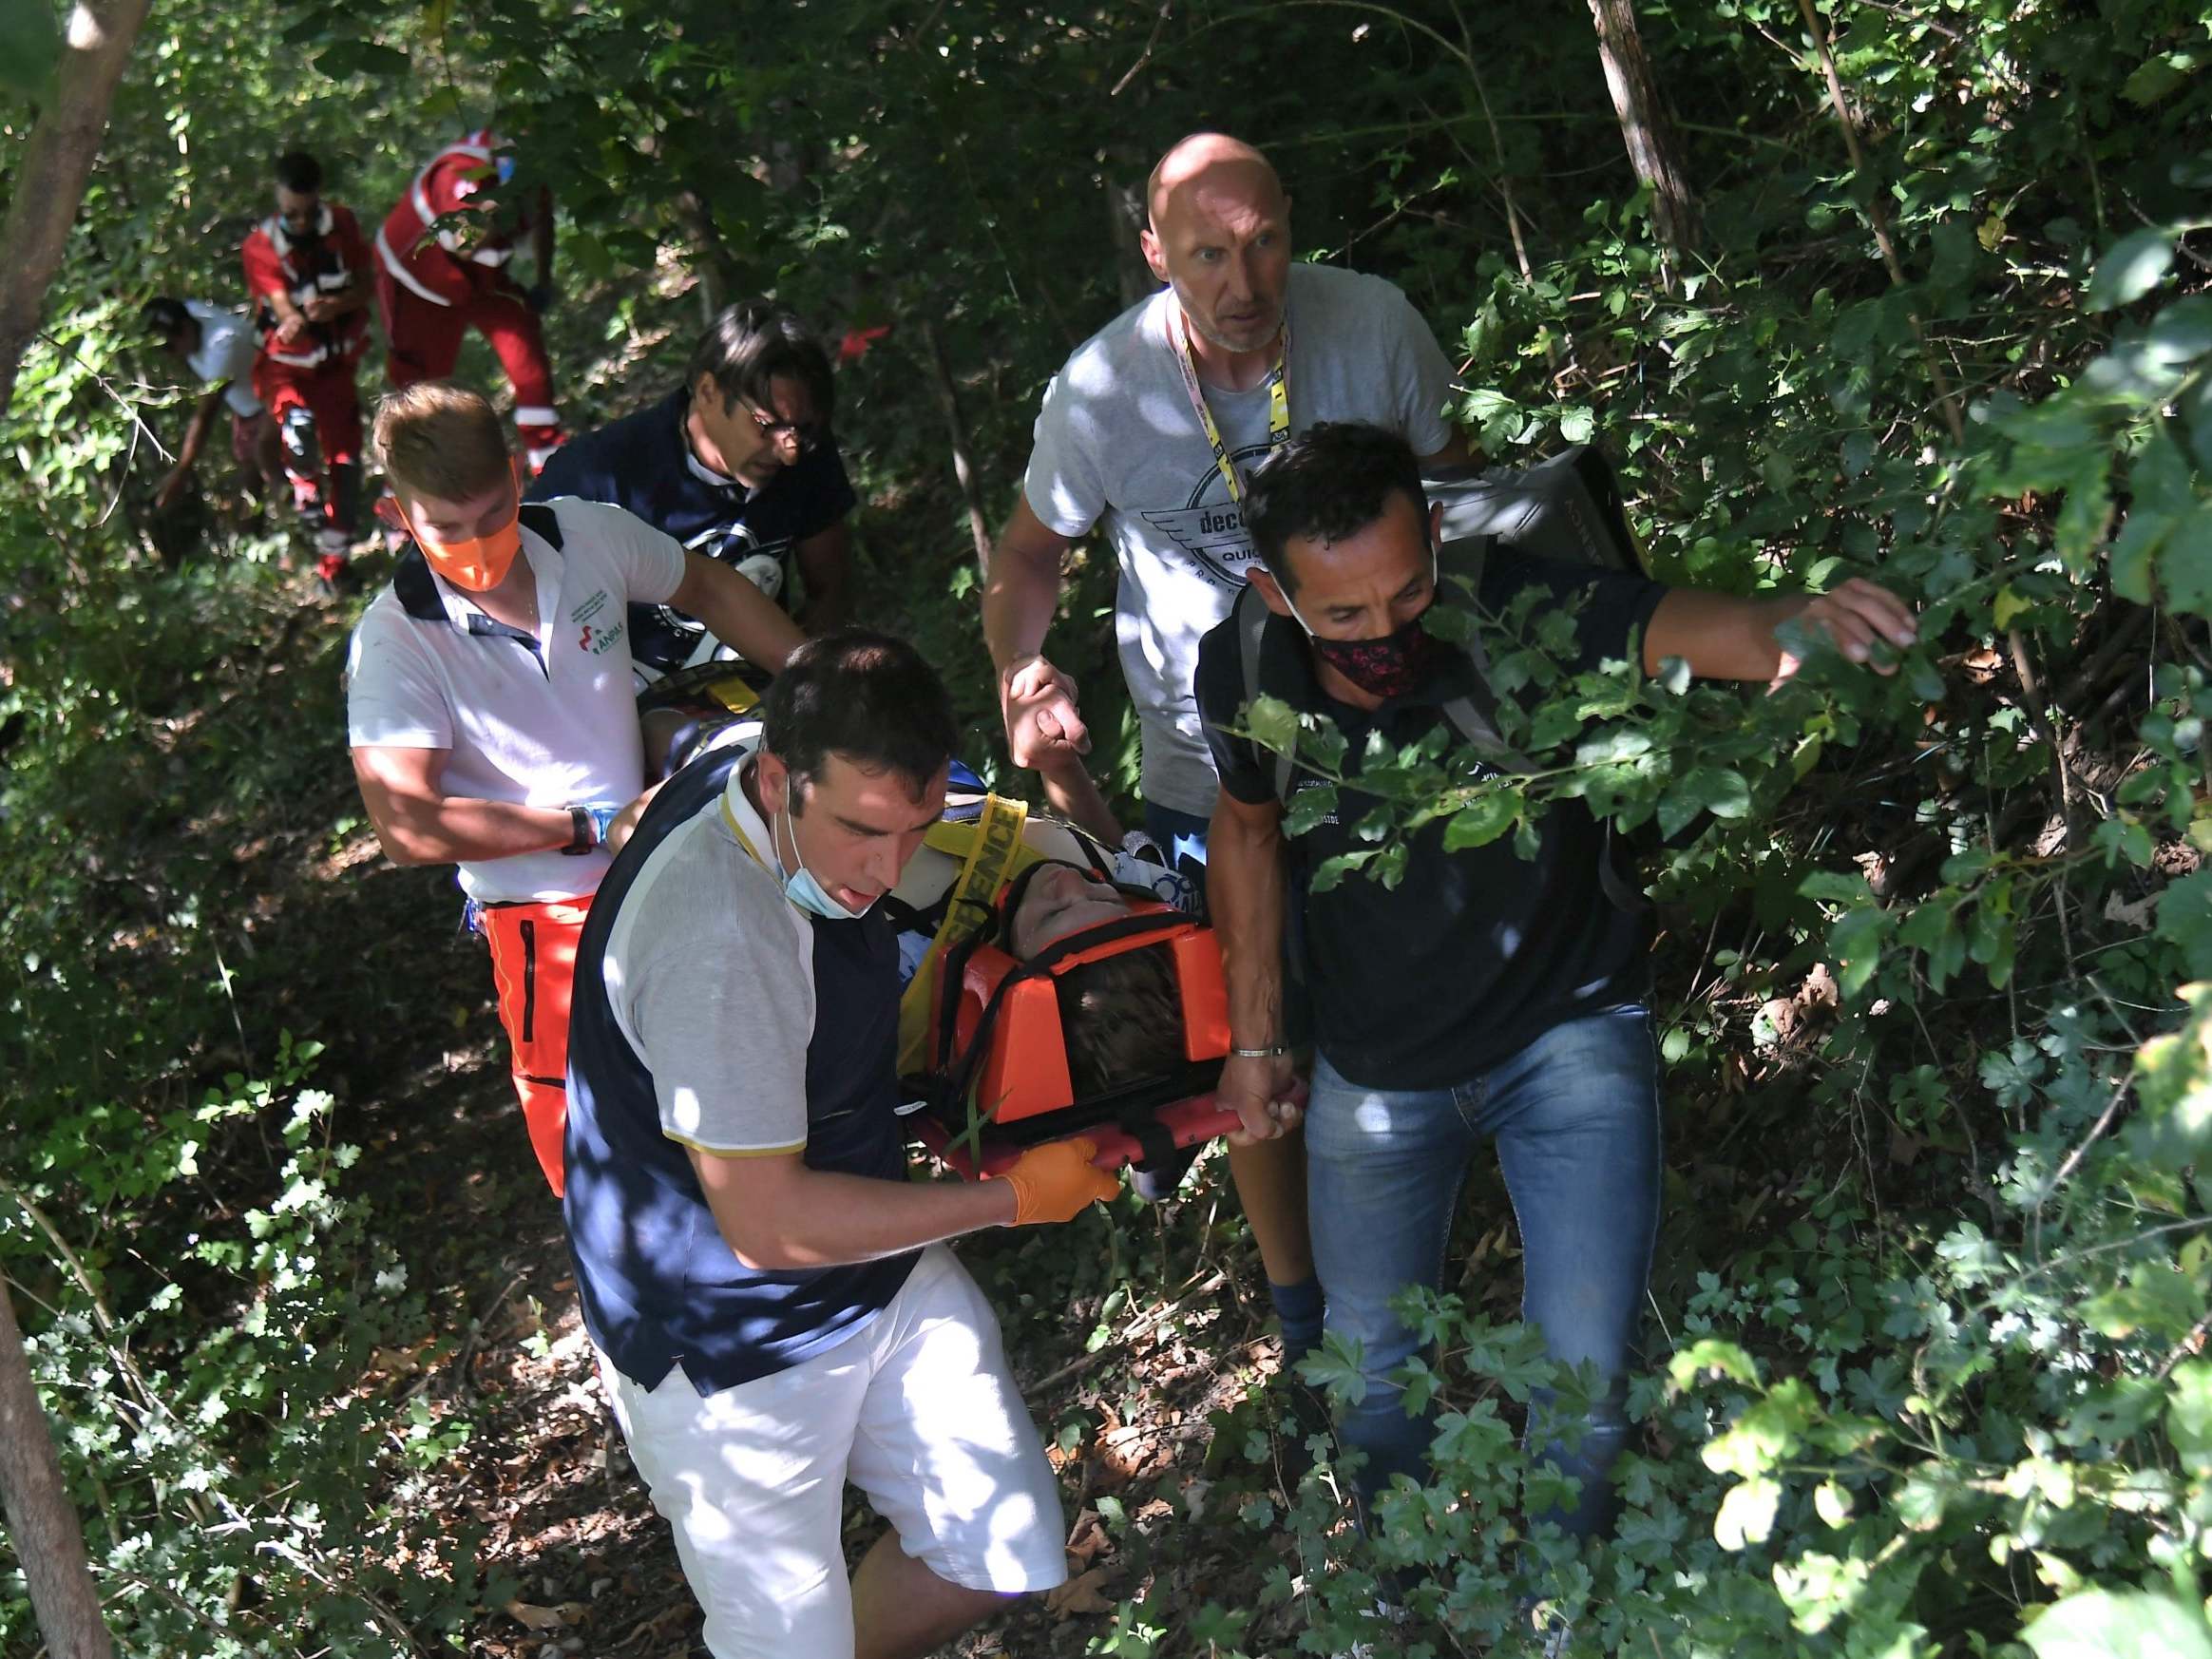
x: 1278, y: 397
x: 743, y: 840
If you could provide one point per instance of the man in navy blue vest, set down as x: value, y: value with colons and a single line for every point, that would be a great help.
x: 771, y: 1298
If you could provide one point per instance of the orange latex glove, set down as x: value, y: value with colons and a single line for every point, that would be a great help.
x: 1054, y: 1182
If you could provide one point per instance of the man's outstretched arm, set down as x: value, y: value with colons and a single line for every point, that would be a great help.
x: 777, y: 1216
x: 825, y: 559
x: 188, y: 452
x: 736, y: 612
x: 1725, y: 637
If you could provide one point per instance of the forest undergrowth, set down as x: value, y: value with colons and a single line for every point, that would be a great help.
x: 1925, y: 1369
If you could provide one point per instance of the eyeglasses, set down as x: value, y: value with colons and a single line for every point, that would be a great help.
x: 807, y: 436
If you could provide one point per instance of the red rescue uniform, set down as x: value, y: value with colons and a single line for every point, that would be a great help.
x: 307, y: 381
x: 433, y: 283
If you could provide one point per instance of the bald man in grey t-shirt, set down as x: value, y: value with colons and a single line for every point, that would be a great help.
x: 1147, y: 431
x: 1127, y: 440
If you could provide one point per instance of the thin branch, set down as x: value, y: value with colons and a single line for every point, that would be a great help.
x: 1160, y: 24
x: 1879, y: 217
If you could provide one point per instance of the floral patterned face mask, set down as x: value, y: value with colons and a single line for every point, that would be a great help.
x: 1386, y: 667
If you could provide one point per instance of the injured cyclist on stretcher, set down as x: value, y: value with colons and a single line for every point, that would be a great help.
x: 1054, y: 984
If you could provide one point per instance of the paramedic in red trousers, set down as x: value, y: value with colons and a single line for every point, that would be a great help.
x: 1145, y: 436
x: 771, y: 1300
x: 436, y: 282
x: 490, y: 706
x: 307, y: 277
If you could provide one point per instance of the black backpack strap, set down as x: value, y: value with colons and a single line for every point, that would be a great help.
x: 1474, y: 712
x: 1252, y: 633
x: 1616, y: 883
x: 539, y: 518
x: 418, y: 589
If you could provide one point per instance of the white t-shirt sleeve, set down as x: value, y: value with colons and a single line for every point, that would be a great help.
x: 393, y: 699
x: 1420, y: 377
x: 232, y: 351
x: 1065, y: 487
x: 723, y: 1021
x: 648, y: 563
x: 226, y: 353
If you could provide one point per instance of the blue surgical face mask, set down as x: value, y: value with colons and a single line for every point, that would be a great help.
x: 505, y: 166
x: 801, y: 887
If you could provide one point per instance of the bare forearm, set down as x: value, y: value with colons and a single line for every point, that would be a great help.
x: 195, y: 437
x: 827, y: 1219
x: 455, y: 829
x: 823, y: 560
x: 1019, y: 597
x: 1075, y: 796
x: 1720, y: 636
x: 749, y: 622
x: 1244, y: 893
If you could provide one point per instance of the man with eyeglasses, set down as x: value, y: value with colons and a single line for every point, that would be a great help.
x: 737, y: 463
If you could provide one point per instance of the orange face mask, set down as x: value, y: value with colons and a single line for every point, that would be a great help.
x: 476, y: 564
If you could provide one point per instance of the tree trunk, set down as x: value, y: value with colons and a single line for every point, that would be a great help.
x: 971, y: 488
x: 42, y: 1524
x: 1653, y: 150
x: 717, y: 269
x: 1125, y: 218
x: 55, y: 165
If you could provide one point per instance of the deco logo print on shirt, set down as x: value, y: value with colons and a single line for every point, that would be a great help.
x: 1210, y: 527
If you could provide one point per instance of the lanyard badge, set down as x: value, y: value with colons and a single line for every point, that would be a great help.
x: 1278, y: 398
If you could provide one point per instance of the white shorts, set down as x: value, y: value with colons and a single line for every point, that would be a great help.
x: 917, y: 1409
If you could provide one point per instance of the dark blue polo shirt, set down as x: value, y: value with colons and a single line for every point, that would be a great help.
x: 1476, y: 952
x: 643, y: 463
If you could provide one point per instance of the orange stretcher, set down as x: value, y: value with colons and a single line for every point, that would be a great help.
x: 1003, y: 1084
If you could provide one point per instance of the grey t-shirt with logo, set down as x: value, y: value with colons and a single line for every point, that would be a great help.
x: 1118, y: 443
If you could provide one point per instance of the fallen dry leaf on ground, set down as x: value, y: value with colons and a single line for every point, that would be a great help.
x: 1079, y: 1594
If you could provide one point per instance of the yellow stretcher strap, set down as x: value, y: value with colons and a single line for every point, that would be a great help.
x: 993, y: 851
x: 733, y: 694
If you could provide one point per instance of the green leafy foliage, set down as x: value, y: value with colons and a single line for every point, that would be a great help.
x: 1927, y: 1375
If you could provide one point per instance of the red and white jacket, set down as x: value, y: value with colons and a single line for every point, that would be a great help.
x: 433, y: 263
x: 334, y: 260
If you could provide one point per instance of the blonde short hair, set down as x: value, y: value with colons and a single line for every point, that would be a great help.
x: 441, y: 439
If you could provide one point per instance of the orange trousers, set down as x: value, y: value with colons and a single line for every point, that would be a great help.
x: 533, y: 961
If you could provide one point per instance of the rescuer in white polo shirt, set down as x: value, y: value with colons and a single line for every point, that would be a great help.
x: 489, y: 701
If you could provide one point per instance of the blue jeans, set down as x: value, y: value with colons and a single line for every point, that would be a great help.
x: 1575, y: 1116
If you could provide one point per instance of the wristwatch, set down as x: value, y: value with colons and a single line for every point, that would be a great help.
x: 582, y: 831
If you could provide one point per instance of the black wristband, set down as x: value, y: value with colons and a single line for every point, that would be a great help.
x: 582, y: 833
